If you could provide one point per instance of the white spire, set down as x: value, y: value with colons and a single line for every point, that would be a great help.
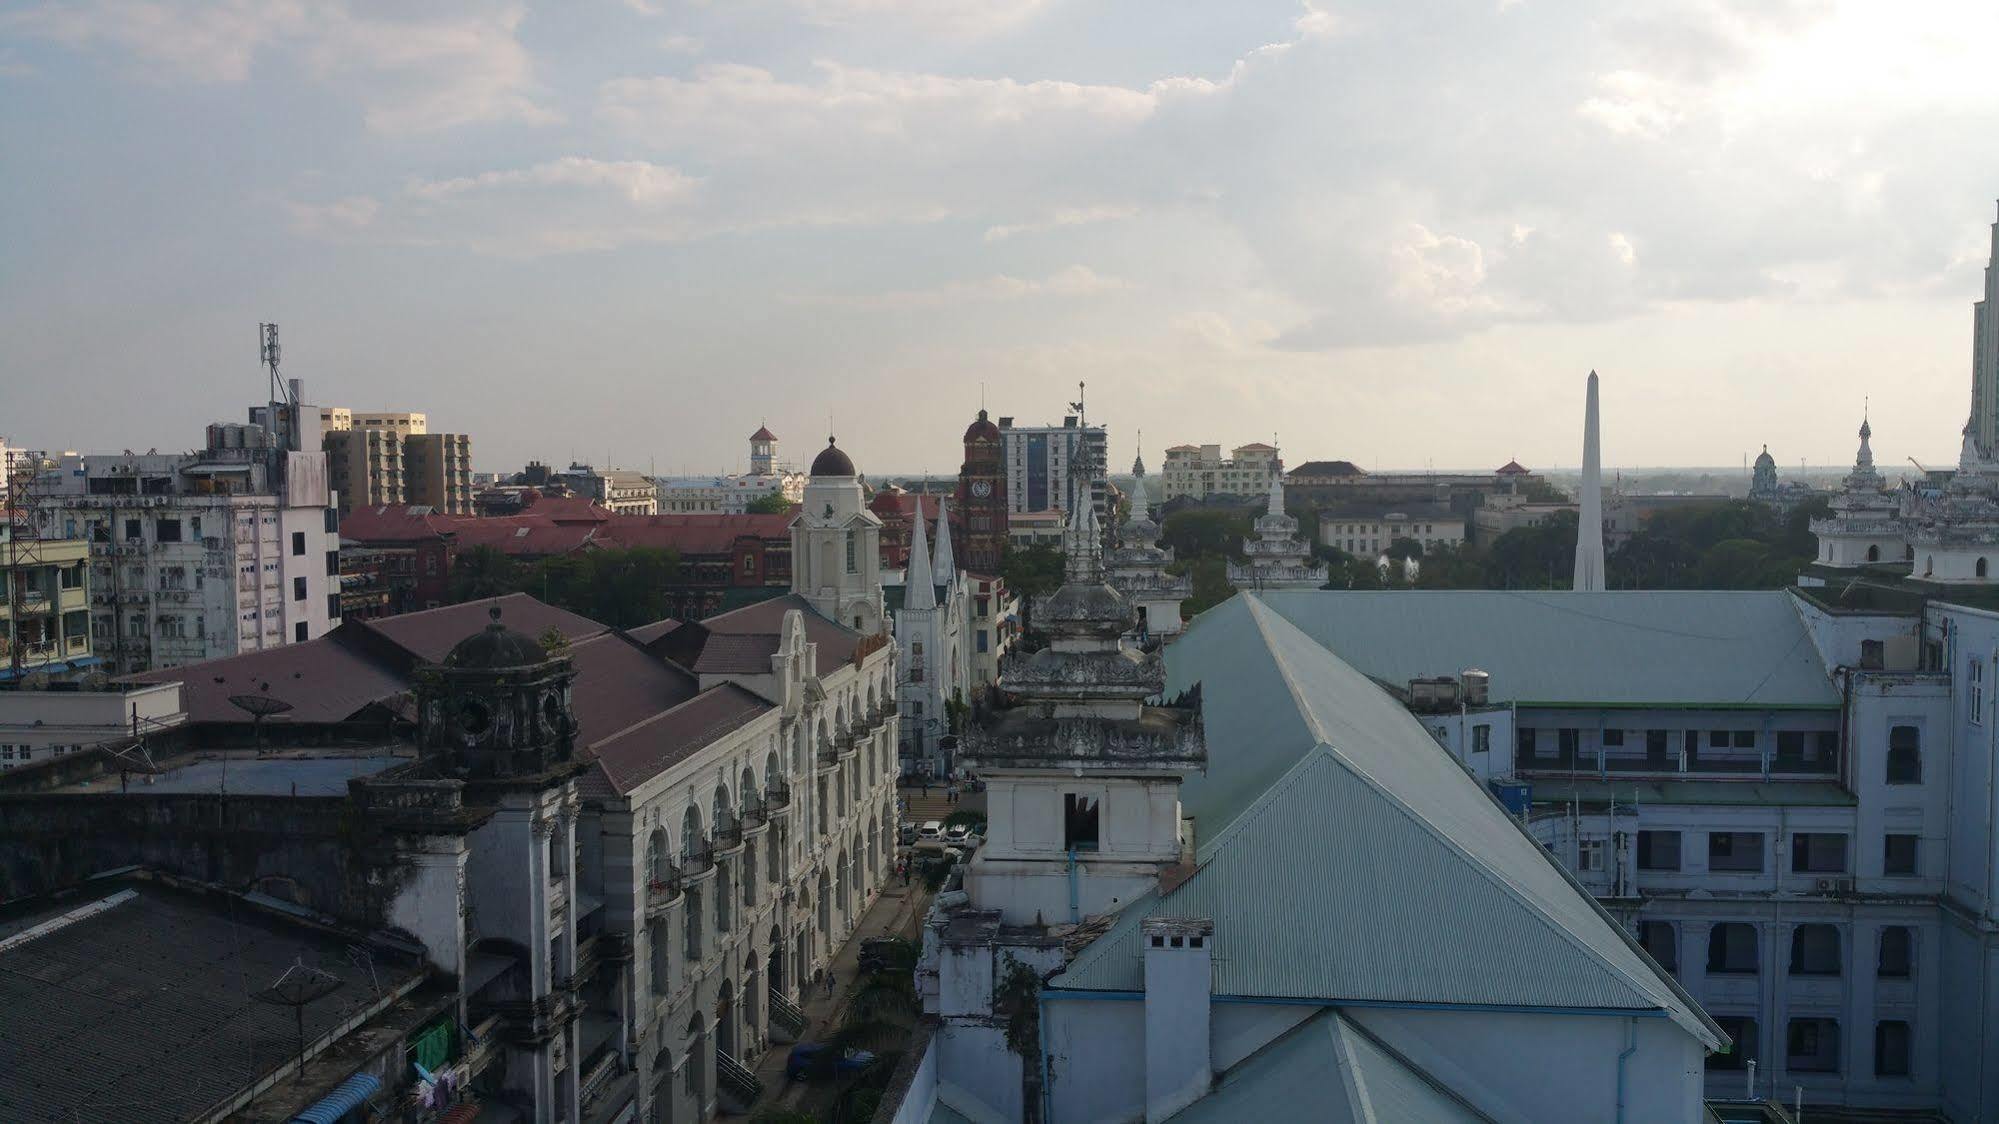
x: 1589, y: 520
x: 1276, y: 489
x: 944, y: 565
x: 1141, y: 503
x: 1082, y: 542
x: 919, y: 590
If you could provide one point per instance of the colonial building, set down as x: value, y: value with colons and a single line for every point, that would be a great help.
x: 1199, y: 472
x: 1368, y: 530
x: 836, y: 547
x: 732, y: 495
x: 1865, y: 525
x: 1278, y: 558
x: 933, y: 620
x: 619, y: 491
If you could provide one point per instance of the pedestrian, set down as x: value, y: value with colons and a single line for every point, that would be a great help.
x: 829, y: 983
x: 926, y: 788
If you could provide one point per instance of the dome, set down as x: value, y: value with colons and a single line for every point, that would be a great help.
x: 1764, y: 458
x: 496, y: 646
x: 981, y: 430
x: 832, y: 462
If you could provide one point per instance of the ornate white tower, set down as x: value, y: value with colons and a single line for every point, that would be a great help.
x: 836, y: 544
x: 1589, y: 520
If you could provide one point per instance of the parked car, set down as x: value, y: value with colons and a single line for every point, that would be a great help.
x: 808, y: 1059
x: 931, y: 831
x: 906, y: 833
x: 957, y: 833
x: 877, y: 954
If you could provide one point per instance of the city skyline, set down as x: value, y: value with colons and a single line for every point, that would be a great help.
x: 1394, y: 239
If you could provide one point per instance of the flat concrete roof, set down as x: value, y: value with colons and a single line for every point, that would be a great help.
x: 289, y: 772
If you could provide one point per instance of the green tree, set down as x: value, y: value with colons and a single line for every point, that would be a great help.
x: 1405, y: 548
x: 1032, y: 571
x: 1542, y: 557
x: 1205, y: 532
x: 1211, y: 582
x: 772, y: 504
x: 483, y: 572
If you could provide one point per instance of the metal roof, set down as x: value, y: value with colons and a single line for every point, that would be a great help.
x: 1605, y: 648
x: 1328, y: 1069
x: 1366, y: 864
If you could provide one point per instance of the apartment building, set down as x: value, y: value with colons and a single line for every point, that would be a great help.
x: 233, y: 548
x: 622, y: 491
x: 44, y: 604
x: 1199, y: 471
x: 1785, y: 804
x: 385, y: 458
x: 1368, y: 529
x: 437, y: 471
x: 1043, y: 462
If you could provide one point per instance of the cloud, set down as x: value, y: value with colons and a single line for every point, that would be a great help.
x: 1062, y: 217
x: 450, y: 64
x: 1073, y: 281
x: 636, y: 181
x: 964, y: 18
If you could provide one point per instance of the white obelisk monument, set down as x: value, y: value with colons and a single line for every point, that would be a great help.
x: 1589, y: 521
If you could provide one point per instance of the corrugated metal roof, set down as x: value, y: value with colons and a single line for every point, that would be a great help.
x: 1328, y: 1069
x: 1367, y: 865
x: 1614, y: 647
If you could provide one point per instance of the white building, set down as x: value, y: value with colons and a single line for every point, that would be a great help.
x: 1198, y: 471
x: 193, y: 556
x: 1044, y: 462
x: 1188, y: 951
x: 1278, y: 558
x: 932, y: 608
x: 1368, y: 530
x: 731, y: 495
x: 1784, y: 803
x: 621, y: 491
x: 36, y: 725
x: 836, y: 546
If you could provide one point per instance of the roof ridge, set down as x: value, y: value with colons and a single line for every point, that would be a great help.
x: 661, y: 715
x: 1480, y: 863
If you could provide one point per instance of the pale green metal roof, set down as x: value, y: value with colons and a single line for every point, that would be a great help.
x: 1344, y: 855
x: 1328, y: 1069
x: 1790, y: 794
x: 1609, y: 648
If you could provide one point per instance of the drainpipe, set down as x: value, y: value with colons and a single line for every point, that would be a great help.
x: 1630, y: 1048
x: 1075, y: 913
x: 1041, y: 1034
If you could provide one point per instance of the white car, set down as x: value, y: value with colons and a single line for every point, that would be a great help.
x: 958, y: 833
x: 931, y: 831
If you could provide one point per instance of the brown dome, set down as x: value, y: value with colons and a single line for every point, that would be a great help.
x: 832, y: 462
x: 981, y: 430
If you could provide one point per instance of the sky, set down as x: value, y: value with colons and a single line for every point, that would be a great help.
x: 630, y: 231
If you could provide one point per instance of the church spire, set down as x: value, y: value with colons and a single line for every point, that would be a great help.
x: 919, y: 589
x: 943, y: 565
x: 1082, y: 541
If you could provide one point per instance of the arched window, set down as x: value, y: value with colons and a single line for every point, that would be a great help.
x: 1874, y: 554
x: 661, y: 954
x: 659, y: 859
x: 1905, y: 755
x: 691, y: 842
x: 1979, y: 570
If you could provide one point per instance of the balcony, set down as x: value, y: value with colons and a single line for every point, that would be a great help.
x: 661, y: 893
x: 777, y: 795
x: 729, y: 838
x: 697, y: 860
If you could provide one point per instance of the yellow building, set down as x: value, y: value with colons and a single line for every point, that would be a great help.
x: 45, y: 617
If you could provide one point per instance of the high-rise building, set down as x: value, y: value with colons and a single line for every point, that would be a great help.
x: 982, y: 498
x: 381, y: 458
x: 437, y: 471
x: 230, y: 549
x: 1985, y: 359
x: 1043, y: 462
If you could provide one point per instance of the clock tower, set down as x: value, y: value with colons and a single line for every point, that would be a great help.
x: 981, y: 530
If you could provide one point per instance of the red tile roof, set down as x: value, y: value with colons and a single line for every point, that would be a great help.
x: 763, y: 433
x: 376, y: 526
x: 1512, y: 468
x: 647, y: 633
x: 638, y: 753
x: 430, y: 634
x: 836, y: 641
x: 688, y: 534
x: 326, y: 680
x: 619, y: 684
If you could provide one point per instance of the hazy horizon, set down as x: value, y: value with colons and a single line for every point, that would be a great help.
x: 629, y: 232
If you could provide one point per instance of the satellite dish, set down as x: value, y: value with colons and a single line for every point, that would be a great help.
x: 259, y: 707
x: 299, y: 986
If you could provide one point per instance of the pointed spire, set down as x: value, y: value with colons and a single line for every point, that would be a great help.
x: 1276, y: 506
x: 1589, y: 517
x: 919, y: 589
x: 1138, y: 456
x: 943, y: 565
x: 1141, y: 503
x: 1082, y: 542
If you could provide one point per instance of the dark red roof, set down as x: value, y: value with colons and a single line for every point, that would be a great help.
x: 430, y: 634
x: 1512, y: 468
x: 619, y: 684
x: 381, y: 526
x: 693, y: 534
x: 1328, y: 468
x: 746, y: 653
x: 981, y: 429
x: 836, y: 641
x: 326, y: 680
x: 638, y: 753
x: 647, y: 633
x: 763, y: 433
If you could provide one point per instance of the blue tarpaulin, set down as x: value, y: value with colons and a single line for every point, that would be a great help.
x: 352, y: 1094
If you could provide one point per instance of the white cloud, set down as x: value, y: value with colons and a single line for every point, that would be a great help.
x: 1061, y: 217
x: 448, y: 65
x: 966, y: 18
x: 1073, y: 281
x: 681, y: 44
x: 635, y: 181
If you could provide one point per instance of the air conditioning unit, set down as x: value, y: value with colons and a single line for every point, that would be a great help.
x: 1834, y: 886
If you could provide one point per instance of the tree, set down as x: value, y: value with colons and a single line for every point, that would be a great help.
x: 1542, y: 557
x: 1403, y: 548
x: 1205, y: 532
x: 772, y: 504
x: 483, y: 571
x: 1032, y: 571
x: 1211, y: 582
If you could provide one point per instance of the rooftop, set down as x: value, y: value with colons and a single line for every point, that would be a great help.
x: 291, y: 772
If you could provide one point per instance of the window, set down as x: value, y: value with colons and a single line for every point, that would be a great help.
x: 1657, y: 747
x: 1481, y: 738
x: 1871, y: 654
x: 1613, y: 737
x: 1905, y: 755
x: 1891, y: 1036
x: 1735, y: 852
x: 980, y: 641
x: 166, y: 530
x: 298, y: 589
x: 1524, y: 740
x: 1589, y: 854
x: 1898, y: 953
x: 1815, y: 950
x: 1898, y: 854
x: 1566, y: 742
x: 1745, y: 739
x: 1661, y: 941
x: 1818, y: 852
x: 749, y: 565
x: 1741, y: 1030
x: 131, y: 530
x: 853, y: 562
x: 298, y: 543
x: 299, y: 633
x: 1731, y: 949
x: 1717, y: 739
x: 1812, y: 1046
x: 1079, y: 822
x: 1975, y: 673
x: 1658, y: 850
